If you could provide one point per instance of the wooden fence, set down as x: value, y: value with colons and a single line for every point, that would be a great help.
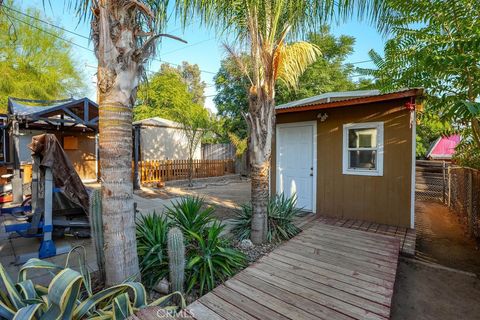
x: 154, y: 171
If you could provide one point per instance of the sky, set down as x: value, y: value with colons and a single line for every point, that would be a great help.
x: 204, y: 46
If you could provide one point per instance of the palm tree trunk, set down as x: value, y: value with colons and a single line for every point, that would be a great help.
x: 261, y: 122
x: 117, y: 83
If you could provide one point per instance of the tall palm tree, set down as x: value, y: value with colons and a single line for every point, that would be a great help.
x: 264, y: 29
x: 125, y: 34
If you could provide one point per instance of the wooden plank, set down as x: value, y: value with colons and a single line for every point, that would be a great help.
x: 248, y: 305
x: 344, y: 249
x: 349, y: 287
x: 357, y: 233
x: 384, y: 268
x: 224, y: 309
x: 269, y: 301
x: 327, y: 296
x: 337, y: 266
x: 199, y: 311
x: 313, y: 308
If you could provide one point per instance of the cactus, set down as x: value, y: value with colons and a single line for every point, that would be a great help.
x: 176, y: 259
x: 96, y: 224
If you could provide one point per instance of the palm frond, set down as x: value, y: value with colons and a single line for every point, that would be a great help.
x: 291, y: 60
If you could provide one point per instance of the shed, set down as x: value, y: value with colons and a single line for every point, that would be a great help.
x: 73, y: 121
x: 443, y: 148
x: 162, y: 139
x: 349, y: 154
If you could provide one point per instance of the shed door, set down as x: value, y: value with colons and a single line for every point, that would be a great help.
x: 296, y: 162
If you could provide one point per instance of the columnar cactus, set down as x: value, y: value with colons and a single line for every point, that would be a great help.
x: 176, y: 259
x: 96, y: 223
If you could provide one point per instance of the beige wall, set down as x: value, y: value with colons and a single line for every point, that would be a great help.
x: 384, y: 199
x: 161, y: 143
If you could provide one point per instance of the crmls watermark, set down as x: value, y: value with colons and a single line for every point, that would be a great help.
x: 173, y: 314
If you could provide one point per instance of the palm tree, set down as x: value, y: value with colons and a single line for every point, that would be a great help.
x: 125, y: 34
x: 263, y: 27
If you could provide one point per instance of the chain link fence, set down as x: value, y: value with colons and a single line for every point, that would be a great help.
x: 463, y: 196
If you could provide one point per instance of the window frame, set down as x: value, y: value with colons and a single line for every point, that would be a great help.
x: 379, y: 149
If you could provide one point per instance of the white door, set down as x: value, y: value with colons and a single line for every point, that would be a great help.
x: 296, y: 162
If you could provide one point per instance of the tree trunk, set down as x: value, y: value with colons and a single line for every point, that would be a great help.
x: 117, y: 83
x: 261, y: 120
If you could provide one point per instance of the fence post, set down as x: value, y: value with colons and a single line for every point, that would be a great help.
x: 449, y: 185
x: 443, y: 182
x: 469, y: 192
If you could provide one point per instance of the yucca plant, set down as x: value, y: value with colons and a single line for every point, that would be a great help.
x: 69, y: 295
x: 211, y: 259
x: 281, y: 211
x: 190, y: 214
x: 152, y: 231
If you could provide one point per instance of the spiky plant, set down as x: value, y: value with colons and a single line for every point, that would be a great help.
x: 69, y: 295
x: 281, y: 211
x: 190, y: 214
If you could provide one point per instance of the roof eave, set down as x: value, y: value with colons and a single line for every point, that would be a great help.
x: 416, y: 92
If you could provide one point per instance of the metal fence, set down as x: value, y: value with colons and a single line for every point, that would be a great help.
x: 463, y: 196
x: 431, y: 180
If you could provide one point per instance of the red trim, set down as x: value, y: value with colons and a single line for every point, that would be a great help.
x: 357, y: 101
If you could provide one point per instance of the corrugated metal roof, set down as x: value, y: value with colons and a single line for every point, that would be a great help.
x: 20, y: 109
x: 336, y: 96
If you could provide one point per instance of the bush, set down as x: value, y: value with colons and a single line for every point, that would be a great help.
x: 280, y: 214
x: 152, y: 233
x: 69, y: 295
x: 188, y: 214
x: 210, y: 258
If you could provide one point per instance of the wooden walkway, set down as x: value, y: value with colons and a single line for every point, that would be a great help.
x: 326, y: 272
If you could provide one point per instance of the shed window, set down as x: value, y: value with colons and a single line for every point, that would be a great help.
x: 363, y: 148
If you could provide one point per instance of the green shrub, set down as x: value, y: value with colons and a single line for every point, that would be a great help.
x: 211, y: 259
x: 281, y: 211
x: 189, y: 214
x: 152, y: 231
x: 69, y: 295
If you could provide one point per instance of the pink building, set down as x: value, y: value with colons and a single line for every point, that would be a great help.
x: 444, y: 148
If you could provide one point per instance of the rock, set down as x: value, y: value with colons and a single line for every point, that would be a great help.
x: 162, y: 286
x: 246, y: 244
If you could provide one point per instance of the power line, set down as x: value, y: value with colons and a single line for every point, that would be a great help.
x: 81, y: 46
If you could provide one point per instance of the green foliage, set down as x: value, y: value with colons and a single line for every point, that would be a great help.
x: 328, y: 73
x: 176, y: 259
x: 69, y: 295
x: 35, y: 64
x: 434, y: 44
x: 241, y: 145
x: 190, y: 214
x: 191, y: 76
x: 280, y: 214
x: 152, y: 240
x: 211, y: 259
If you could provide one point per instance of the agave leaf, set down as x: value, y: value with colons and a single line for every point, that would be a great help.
x: 63, y: 293
x: 12, y: 292
x: 82, y: 263
x: 122, y: 307
x: 27, y: 289
x: 28, y: 312
x: 6, y: 312
x: 35, y: 263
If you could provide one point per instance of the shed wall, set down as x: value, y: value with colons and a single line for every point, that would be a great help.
x: 384, y: 199
x: 162, y: 143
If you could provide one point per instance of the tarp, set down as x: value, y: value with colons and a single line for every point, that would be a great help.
x: 444, y: 147
x: 64, y: 175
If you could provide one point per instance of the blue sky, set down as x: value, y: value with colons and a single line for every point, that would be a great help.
x: 204, y: 47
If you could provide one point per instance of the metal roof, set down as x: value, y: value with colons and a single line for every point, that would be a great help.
x: 158, y: 122
x: 336, y: 96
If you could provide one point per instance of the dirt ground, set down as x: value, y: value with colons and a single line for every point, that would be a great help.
x: 442, y: 239
x: 440, y: 283
x: 424, y: 293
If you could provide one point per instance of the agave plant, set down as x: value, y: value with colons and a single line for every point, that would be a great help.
x: 69, y: 295
x: 152, y: 233
x: 190, y: 214
x: 281, y: 211
x: 211, y: 259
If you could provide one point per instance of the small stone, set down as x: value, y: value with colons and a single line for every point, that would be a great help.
x: 162, y: 286
x: 246, y: 244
